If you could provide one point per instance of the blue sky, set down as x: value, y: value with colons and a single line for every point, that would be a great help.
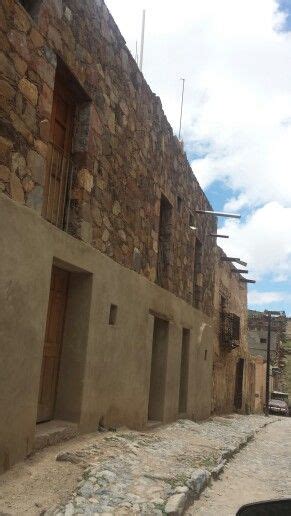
x: 236, y: 59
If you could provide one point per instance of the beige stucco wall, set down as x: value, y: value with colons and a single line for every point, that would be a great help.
x: 105, y: 370
x: 260, y: 394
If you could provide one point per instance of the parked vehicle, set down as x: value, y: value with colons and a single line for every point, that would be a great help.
x: 277, y: 406
x: 278, y: 395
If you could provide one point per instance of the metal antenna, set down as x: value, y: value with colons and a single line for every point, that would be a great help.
x: 136, y: 52
x: 182, y: 103
x: 142, y: 40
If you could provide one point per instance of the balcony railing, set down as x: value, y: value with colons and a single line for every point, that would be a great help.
x: 58, y: 188
x: 229, y: 331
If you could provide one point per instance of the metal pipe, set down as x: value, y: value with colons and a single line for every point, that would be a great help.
x: 218, y: 236
x: 60, y: 189
x: 70, y: 172
x: 182, y: 104
x: 245, y: 280
x: 240, y: 271
x: 142, y: 40
x: 219, y: 214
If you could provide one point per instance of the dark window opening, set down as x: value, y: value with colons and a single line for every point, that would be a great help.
x: 112, y: 315
x: 30, y: 5
x: 229, y: 328
x: 164, y: 249
x: 235, y: 327
x: 158, y: 370
x: 191, y: 220
x: 238, y: 390
x: 197, y: 280
x: 179, y: 204
x: 184, y: 372
x: 205, y: 354
x: 263, y: 341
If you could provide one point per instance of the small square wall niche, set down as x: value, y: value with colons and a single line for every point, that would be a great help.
x: 113, y: 315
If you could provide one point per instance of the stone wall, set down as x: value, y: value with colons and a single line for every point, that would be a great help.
x: 124, y: 150
x: 228, y: 285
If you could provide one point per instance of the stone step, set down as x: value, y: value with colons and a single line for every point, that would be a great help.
x: 53, y: 432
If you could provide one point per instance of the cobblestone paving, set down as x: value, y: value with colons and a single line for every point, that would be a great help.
x: 138, y: 473
x: 260, y: 471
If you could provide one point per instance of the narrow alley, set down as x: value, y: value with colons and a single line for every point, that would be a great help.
x: 261, y: 471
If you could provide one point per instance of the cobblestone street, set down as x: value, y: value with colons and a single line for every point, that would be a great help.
x: 260, y: 471
x: 127, y: 472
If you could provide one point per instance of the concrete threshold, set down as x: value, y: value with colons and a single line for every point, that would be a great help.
x: 53, y: 432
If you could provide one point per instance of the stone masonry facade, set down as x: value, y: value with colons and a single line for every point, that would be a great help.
x: 124, y: 152
x: 228, y: 285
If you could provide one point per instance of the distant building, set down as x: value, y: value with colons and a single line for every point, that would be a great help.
x: 258, y: 335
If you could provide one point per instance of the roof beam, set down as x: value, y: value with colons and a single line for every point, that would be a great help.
x: 215, y: 235
x: 236, y: 260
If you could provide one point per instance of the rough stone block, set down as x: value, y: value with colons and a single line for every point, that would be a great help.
x: 36, y: 163
x: 176, y: 503
x: 198, y: 481
x: 85, y: 179
x: 18, y: 164
x: 6, y: 89
x: 16, y: 190
x: 29, y: 90
x: 5, y: 146
x: 4, y: 173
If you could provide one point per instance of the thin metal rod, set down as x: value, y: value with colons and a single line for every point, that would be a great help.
x: 245, y: 280
x: 268, y: 366
x: 219, y: 214
x: 60, y: 190
x: 70, y: 172
x: 240, y: 271
x: 218, y: 236
x: 49, y: 182
x: 142, y: 40
x: 136, y: 52
x: 182, y: 104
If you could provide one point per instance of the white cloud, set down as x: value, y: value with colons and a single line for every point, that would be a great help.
x: 263, y: 241
x: 238, y: 96
x: 265, y: 298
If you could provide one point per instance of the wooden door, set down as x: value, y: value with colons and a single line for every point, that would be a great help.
x: 238, y: 391
x: 61, y: 130
x: 52, y: 344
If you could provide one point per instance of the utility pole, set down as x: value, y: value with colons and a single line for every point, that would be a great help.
x: 268, y: 366
x: 182, y: 103
x: 142, y: 40
x: 269, y: 314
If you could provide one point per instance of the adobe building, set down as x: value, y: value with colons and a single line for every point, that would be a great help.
x: 234, y: 369
x: 106, y: 290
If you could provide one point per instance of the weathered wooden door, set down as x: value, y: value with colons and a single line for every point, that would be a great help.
x: 61, y: 130
x: 238, y: 392
x: 52, y: 344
